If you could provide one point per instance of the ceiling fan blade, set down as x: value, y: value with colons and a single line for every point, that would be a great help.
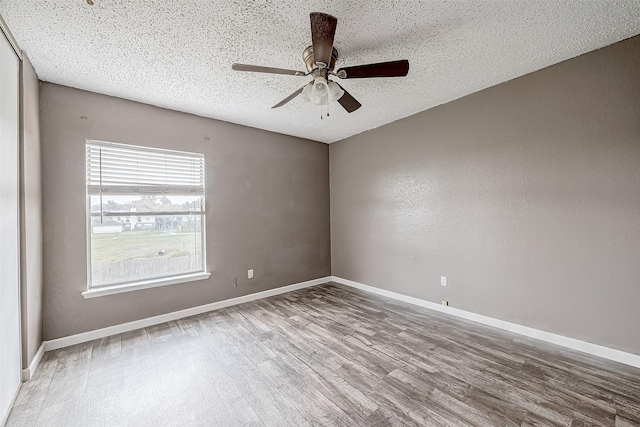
x: 259, y: 69
x: 381, y: 69
x: 323, y: 29
x: 348, y: 102
x: 288, y: 98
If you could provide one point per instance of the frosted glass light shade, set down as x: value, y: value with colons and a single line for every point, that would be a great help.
x: 335, y: 91
x: 320, y: 87
x: 307, y: 92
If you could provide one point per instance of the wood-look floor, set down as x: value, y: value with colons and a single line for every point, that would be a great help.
x: 325, y: 356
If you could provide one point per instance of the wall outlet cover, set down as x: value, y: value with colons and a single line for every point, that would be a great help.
x: 443, y: 280
x: 250, y: 274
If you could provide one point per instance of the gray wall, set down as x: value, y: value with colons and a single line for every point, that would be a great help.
x: 267, y: 207
x: 30, y: 213
x: 526, y: 195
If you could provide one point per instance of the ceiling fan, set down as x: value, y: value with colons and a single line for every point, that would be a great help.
x: 320, y: 60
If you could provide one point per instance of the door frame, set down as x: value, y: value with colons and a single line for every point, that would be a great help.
x: 6, y: 33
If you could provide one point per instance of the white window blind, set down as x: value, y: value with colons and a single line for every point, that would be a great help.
x: 124, y: 169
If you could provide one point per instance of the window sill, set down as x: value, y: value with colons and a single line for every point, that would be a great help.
x: 145, y: 284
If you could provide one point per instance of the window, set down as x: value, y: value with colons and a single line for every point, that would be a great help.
x: 160, y: 196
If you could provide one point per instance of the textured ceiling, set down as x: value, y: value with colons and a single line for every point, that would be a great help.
x: 178, y: 54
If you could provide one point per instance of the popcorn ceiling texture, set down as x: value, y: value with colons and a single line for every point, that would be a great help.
x: 178, y: 54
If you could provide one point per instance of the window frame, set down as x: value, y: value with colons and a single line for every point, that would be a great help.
x: 127, y: 286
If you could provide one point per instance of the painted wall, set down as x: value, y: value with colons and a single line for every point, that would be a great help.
x: 31, y: 213
x: 525, y: 195
x: 267, y: 207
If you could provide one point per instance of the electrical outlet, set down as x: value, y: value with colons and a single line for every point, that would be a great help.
x: 443, y: 280
x: 249, y: 274
x: 445, y: 302
x: 235, y: 282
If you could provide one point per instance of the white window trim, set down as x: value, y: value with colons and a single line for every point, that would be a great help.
x: 100, y: 291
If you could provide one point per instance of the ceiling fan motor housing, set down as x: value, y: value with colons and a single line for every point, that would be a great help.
x: 309, y: 60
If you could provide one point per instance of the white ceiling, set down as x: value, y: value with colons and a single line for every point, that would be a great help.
x: 178, y: 54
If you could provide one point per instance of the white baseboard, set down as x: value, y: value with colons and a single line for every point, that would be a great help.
x: 582, y: 346
x: 150, y: 321
x: 5, y: 417
x: 27, y: 373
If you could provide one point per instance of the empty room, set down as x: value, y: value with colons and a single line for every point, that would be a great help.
x: 320, y: 213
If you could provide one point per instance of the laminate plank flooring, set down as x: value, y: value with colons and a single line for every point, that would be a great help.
x: 325, y: 356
